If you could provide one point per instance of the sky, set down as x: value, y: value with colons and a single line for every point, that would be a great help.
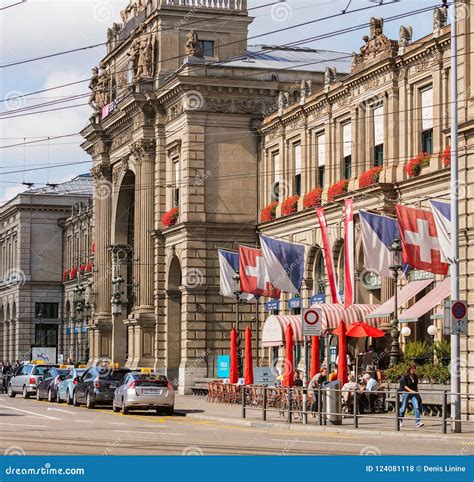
x: 38, y: 28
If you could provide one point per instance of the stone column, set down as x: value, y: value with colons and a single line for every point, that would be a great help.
x: 101, y: 173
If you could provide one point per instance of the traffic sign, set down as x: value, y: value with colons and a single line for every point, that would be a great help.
x: 312, y: 319
x: 459, y: 317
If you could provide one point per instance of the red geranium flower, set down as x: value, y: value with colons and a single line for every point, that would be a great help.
x: 89, y: 267
x: 66, y: 276
x: 73, y: 273
x: 169, y: 218
x: 413, y: 166
x: 337, y: 189
x: 93, y: 247
x: 312, y: 198
x: 446, y: 157
x: 370, y: 177
x: 289, y: 205
x: 268, y: 212
x: 82, y: 268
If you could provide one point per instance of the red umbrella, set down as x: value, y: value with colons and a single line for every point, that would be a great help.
x: 248, y: 370
x: 361, y: 330
x: 315, y: 365
x: 288, y: 370
x: 234, y: 369
x: 342, y: 356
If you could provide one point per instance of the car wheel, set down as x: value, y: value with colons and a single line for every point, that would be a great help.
x: 124, y: 409
x: 89, y: 402
x: 58, y: 398
x: 114, y: 408
x: 38, y: 395
x: 74, y: 400
x: 25, y: 393
x: 69, y: 400
x: 167, y: 410
x: 50, y: 396
x: 10, y: 392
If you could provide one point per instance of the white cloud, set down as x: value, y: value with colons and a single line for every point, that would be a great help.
x: 11, y: 192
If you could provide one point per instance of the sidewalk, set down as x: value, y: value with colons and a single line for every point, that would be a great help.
x: 198, y: 408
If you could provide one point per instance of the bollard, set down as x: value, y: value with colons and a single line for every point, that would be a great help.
x: 289, y: 405
x: 243, y: 401
x: 356, y: 408
x: 444, y: 412
x: 397, y: 411
x: 305, y: 403
x: 264, y: 404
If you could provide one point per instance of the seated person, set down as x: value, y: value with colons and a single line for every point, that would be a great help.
x: 370, y: 386
x: 349, y: 388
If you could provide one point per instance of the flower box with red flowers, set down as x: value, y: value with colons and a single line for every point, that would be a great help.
x: 413, y: 166
x: 289, y: 205
x: 312, y: 199
x: 66, y: 276
x: 268, y: 213
x: 370, y: 177
x: 73, y: 273
x: 82, y: 268
x: 446, y: 157
x: 170, y: 218
x: 89, y: 268
x: 337, y: 189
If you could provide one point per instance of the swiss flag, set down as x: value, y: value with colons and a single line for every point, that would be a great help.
x: 253, y: 273
x: 421, y: 248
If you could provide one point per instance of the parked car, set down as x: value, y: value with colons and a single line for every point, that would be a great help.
x: 26, y: 378
x: 67, y: 386
x: 97, y: 386
x: 47, y: 387
x: 144, y: 391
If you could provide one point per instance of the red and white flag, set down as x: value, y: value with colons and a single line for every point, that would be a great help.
x: 349, y: 252
x: 420, y: 243
x: 254, y: 277
x: 327, y: 251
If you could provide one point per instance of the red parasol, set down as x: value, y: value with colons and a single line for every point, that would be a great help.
x: 361, y: 330
x: 288, y: 370
x: 248, y: 370
x: 342, y: 356
x: 234, y: 369
x: 315, y: 365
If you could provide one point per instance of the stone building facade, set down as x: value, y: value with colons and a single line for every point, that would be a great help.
x: 175, y: 112
x: 394, y: 105
x: 31, y: 267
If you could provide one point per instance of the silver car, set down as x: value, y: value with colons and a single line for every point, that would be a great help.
x: 26, y: 379
x: 144, y: 391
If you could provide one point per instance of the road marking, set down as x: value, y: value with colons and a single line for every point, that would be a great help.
x: 61, y: 410
x: 322, y: 442
x: 30, y: 413
x: 149, y: 432
x: 25, y: 425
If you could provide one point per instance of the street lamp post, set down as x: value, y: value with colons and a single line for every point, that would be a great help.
x: 238, y: 300
x: 395, y: 267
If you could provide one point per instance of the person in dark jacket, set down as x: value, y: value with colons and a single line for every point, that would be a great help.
x: 409, y: 387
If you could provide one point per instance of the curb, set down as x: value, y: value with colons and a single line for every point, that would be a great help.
x: 324, y: 429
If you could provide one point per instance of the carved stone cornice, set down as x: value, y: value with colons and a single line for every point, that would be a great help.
x: 143, y: 149
x: 101, y: 171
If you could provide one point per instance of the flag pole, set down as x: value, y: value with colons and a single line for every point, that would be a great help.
x: 455, y: 339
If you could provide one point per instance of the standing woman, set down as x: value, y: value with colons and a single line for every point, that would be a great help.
x: 409, y: 387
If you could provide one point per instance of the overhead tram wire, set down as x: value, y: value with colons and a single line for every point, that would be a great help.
x: 351, y: 29
x: 283, y: 29
x: 243, y: 56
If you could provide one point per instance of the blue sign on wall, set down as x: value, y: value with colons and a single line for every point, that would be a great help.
x: 294, y: 303
x: 76, y: 329
x: 84, y: 329
x: 318, y: 299
x: 223, y: 366
x: 272, y: 305
x: 68, y: 331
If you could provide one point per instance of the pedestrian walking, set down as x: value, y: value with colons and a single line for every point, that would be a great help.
x: 317, y: 382
x: 409, y: 387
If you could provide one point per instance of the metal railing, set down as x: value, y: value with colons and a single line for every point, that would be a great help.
x: 297, y: 404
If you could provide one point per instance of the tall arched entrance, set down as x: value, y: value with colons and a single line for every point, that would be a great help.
x: 173, y: 320
x: 123, y: 241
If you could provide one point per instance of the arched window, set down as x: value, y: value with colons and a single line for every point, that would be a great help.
x: 319, y: 273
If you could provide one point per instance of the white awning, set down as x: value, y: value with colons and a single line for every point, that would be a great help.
x: 274, y: 329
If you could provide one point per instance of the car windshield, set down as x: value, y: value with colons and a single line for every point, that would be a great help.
x: 149, y: 377
x: 63, y: 371
x: 40, y: 370
x: 116, y: 375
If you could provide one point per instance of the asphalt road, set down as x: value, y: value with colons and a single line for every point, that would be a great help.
x: 41, y: 428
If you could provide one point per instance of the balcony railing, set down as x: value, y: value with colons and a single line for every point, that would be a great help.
x: 234, y: 5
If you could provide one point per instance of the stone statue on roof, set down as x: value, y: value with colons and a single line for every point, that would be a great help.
x: 192, y: 45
